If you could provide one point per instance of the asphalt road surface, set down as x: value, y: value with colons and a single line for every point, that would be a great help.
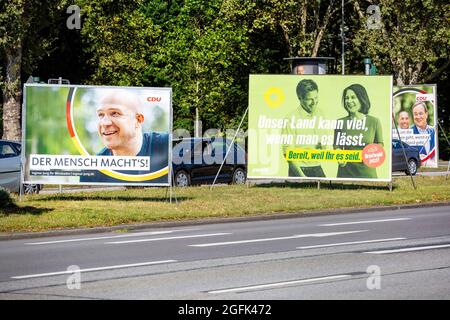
x: 391, y: 254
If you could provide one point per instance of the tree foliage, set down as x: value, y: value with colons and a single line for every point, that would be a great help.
x: 205, y: 50
x: 26, y: 35
x: 199, y: 54
x: 118, y: 40
x: 413, y: 41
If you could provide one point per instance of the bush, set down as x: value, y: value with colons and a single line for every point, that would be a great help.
x: 5, y: 199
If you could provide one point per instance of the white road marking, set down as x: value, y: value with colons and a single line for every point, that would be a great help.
x: 362, y: 222
x: 137, y: 234
x: 275, y: 239
x: 280, y: 284
x: 94, y: 269
x: 410, y: 249
x: 349, y: 243
x: 170, y: 238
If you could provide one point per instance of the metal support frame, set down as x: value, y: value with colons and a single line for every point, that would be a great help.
x: 170, y: 189
x: 60, y: 81
x: 448, y: 142
x: 343, y: 39
x: 229, y: 148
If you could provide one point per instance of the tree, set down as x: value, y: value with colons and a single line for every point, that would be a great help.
x: 302, y: 24
x: 14, y: 21
x: 199, y: 53
x: 24, y: 39
x: 412, y: 41
x: 118, y: 41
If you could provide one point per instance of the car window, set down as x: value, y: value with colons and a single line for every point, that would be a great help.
x: 219, y: 146
x: 18, y: 147
x: 396, y: 144
x: 207, y: 148
x: 185, y: 150
x: 198, y: 148
x: 177, y: 150
x: 7, y: 151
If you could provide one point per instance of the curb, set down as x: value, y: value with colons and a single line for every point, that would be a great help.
x: 202, y: 221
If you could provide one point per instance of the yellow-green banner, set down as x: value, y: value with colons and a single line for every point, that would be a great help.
x: 321, y: 127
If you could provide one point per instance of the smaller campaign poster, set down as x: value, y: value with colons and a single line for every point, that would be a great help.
x: 97, y: 135
x: 415, y: 114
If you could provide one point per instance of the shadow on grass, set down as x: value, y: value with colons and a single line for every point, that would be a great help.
x: 327, y: 185
x: 63, y: 197
x: 8, y: 206
x: 14, y: 209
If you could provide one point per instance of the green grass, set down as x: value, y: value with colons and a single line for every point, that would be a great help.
x: 109, y: 208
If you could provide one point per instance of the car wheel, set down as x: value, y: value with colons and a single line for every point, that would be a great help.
x: 239, y: 176
x: 412, y: 167
x: 182, y: 179
x: 31, y: 188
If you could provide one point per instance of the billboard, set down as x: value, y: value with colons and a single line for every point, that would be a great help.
x: 96, y: 135
x: 415, y: 113
x: 321, y: 127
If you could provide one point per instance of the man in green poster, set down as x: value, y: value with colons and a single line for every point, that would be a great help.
x: 308, y: 136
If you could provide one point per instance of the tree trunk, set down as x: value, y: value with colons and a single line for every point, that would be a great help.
x: 399, y: 72
x: 358, y: 10
x: 285, y: 30
x: 12, y: 94
x: 315, y: 50
x: 303, y: 15
x: 322, y: 28
x: 414, y: 78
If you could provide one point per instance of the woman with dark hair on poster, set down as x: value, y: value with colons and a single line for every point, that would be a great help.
x: 357, y: 104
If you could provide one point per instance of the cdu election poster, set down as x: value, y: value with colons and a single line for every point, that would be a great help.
x: 320, y: 127
x: 96, y: 135
x: 415, y: 114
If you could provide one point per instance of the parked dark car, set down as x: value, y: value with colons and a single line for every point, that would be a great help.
x: 411, y: 164
x: 10, y: 168
x: 197, y: 161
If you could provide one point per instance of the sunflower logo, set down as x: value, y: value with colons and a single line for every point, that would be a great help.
x: 274, y: 97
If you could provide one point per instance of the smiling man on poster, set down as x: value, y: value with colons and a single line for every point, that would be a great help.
x: 119, y: 120
x: 420, y: 102
x: 308, y: 96
x: 97, y: 135
x: 420, y: 113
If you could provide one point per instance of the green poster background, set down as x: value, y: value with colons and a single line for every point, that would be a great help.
x: 274, y: 97
x: 46, y: 129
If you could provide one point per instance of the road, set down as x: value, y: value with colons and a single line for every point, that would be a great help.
x: 386, y: 254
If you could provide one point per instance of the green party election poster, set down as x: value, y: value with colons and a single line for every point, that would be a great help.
x: 321, y: 127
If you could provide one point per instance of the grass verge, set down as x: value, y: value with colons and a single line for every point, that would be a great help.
x: 110, y: 208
